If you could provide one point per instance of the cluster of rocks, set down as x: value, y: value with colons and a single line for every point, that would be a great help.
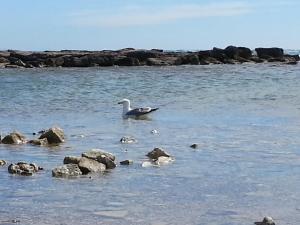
x: 23, y: 168
x: 52, y: 136
x: 134, y: 57
x: 94, y: 161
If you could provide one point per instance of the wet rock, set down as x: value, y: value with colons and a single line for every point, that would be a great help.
x: 23, y: 168
x: 14, y: 138
x: 267, y: 53
x: 96, y: 153
x: 157, y: 152
x: 266, y: 221
x: 90, y: 166
x: 2, y: 162
x: 128, y: 140
x: 40, y: 142
x: 194, y: 146
x: 101, y: 156
x: 54, y: 135
x: 67, y: 170
x: 72, y: 160
x: 126, y: 162
x: 110, y: 164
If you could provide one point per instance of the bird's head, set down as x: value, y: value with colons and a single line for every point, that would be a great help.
x: 124, y: 101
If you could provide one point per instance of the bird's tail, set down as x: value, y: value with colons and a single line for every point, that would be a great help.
x: 152, y: 110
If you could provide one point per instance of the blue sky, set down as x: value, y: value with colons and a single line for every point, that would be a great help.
x: 166, y: 24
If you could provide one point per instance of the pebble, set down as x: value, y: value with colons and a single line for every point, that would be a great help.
x: 2, y: 162
x: 194, y: 146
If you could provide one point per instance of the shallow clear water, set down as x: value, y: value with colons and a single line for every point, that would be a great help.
x: 245, y: 119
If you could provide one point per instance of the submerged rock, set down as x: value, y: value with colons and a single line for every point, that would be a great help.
x: 126, y: 162
x: 23, y: 168
x: 128, y: 140
x: 157, y: 152
x: 54, y: 135
x: 90, y: 166
x: 67, y: 170
x: 266, y: 221
x: 15, y: 138
x: 2, y: 162
x: 41, y: 142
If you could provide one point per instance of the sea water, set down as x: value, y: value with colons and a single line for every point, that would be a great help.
x: 244, y: 118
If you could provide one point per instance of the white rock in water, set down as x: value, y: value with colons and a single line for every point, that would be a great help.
x: 163, y: 160
x: 128, y: 140
x: 147, y: 164
x: 154, y: 131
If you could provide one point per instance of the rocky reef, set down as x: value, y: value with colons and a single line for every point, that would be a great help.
x: 138, y: 57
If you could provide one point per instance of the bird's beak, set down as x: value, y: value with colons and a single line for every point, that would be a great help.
x: 120, y: 102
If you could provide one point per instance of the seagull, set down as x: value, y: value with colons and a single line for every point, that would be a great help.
x: 136, y: 112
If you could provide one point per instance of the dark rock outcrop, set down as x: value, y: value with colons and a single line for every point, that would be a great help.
x: 234, y: 52
x: 156, y: 153
x: 23, y: 168
x: 126, y: 61
x: 133, y: 57
x: 14, y: 138
x: 54, y: 135
x: 143, y: 55
x: 266, y: 53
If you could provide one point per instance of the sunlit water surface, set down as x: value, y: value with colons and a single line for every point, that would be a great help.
x: 245, y: 119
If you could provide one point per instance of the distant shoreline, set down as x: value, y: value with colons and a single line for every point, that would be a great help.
x: 141, y: 57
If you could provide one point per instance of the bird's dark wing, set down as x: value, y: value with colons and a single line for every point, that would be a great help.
x: 140, y: 111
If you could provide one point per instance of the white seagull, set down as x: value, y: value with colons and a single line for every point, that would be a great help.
x: 136, y: 112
